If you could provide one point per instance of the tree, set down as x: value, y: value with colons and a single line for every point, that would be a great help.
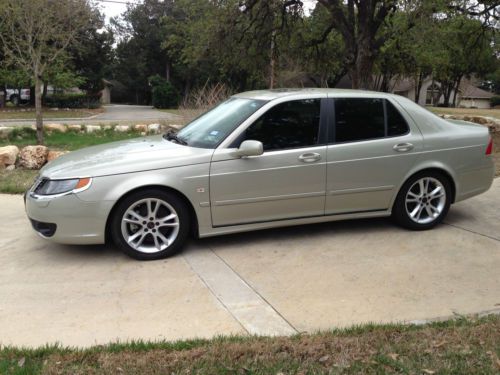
x: 37, y: 33
x: 359, y: 22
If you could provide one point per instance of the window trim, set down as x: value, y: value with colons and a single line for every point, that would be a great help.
x: 323, y: 126
x: 333, y: 124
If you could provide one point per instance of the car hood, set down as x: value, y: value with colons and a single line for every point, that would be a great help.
x: 133, y: 155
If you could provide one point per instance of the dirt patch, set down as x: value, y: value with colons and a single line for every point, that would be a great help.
x: 450, y: 347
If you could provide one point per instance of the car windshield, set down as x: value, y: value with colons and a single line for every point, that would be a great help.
x: 211, y: 128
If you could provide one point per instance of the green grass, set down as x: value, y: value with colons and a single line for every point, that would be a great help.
x: 47, y: 113
x: 16, y: 181
x: 65, y: 141
x: 466, y: 111
x: 463, y: 346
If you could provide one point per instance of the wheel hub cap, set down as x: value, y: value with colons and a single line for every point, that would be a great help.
x: 425, y: 200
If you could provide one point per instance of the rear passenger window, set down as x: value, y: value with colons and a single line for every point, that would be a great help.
x: 359, y: 119
x: 396, y: 124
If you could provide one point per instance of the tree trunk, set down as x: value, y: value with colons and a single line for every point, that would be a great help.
x: 38, y: 109
x: 457, y: 85
x: 272, y: 62
x: 44, y: 95
x: 167, y: 71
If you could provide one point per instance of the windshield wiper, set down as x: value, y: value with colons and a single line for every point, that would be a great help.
x: 172, y: 136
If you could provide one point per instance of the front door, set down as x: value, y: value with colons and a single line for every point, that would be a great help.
x: 287, y: 181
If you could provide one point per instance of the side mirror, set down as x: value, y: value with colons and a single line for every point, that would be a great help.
x: 250, y: 148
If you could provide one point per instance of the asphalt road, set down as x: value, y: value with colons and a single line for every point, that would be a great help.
x: 115, y: 113
x: 275, y: 282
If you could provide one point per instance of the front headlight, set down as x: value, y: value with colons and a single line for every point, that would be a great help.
x: 54, y: 187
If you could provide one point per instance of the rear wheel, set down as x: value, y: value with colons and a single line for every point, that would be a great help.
x: 423, y: 201
x: 150, y: 224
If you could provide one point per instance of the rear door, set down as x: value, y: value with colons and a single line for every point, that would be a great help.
x: 287, y: 181
x: 372, y: 146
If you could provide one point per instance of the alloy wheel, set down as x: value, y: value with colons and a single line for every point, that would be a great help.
x: 150, y: 225
x: 425, y: 200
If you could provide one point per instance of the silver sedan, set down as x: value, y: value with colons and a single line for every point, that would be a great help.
x: 264, y: 159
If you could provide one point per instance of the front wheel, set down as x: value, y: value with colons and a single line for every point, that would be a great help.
x: 423, y: 201
x: 150, y: 224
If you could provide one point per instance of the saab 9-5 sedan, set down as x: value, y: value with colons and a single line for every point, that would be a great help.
x: 264, y: 159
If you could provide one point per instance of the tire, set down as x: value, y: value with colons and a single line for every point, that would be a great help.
x: 412, y: 209
x: 138, y: 236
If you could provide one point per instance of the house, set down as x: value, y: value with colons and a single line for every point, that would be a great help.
x: 468, y: 96
x: 474, y: 97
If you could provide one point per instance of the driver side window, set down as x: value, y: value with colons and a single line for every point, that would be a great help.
x: 292, y: 124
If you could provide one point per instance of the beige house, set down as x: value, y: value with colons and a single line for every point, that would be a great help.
x: 468, y: 96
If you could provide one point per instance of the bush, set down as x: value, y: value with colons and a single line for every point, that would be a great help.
x: 164, y: 93
x: 73, y: 101
x: 495, y: 100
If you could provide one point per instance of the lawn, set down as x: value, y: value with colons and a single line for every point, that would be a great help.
x: 466, y: 111
x: 18, y: 180
x: 29, y: 113
x: 65, y: 141
x: 463, y: 346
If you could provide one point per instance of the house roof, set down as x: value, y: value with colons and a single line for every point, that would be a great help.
x: 473, y: 92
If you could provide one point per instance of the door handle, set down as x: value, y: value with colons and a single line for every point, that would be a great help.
x: 403, y: 147
x: 309, y: 157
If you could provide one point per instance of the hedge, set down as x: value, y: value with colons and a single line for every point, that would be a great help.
x: 73, y: 101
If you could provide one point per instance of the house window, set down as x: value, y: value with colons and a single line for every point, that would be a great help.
x: 433, y: 94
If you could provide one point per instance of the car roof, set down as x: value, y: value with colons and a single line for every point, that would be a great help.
x: 280, y: 93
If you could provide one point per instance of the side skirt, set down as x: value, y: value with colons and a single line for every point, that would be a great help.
x: 215, y: 231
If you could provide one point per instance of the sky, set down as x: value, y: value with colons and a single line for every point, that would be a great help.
x: 113, y: 8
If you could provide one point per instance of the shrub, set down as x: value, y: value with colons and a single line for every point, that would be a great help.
x: 73, y: 101
x: 204, y: 98
x: 495, y: 100
x: 164, y: 93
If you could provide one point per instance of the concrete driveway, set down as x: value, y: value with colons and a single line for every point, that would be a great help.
x: 114, y: 113
x: 274, y: 282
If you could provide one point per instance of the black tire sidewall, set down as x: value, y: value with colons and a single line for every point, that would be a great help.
x: 174, y: 200
x: 399, y: 213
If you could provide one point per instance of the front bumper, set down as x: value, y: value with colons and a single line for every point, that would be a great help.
x: 72, y: 220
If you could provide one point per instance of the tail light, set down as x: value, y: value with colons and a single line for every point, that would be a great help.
x: 489, y: 149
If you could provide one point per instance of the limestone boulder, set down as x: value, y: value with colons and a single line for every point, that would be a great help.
x: 122, y: 128
x: 92, y: 128
x: 141, y: 128
x: 53, y: 154
x: 33, y: 157
x: 75, y: 128
x: 8, y: 156
x: 154, y: 128
x: 55, y: 128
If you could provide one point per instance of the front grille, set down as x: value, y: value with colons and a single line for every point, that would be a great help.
x: 45, y: 229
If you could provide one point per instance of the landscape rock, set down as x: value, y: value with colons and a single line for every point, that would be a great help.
x: 141, y: 128
x: 33, y: 157
x: 55, y: 154
x: 55, y: 127
x: 92, y: 128
x: 176, y: 126
x: 75, y: 128
x: 8, y: 155
x: 10, y: 167
x: 122, y: 128
x: 154, y: 128
x: 480, y: 120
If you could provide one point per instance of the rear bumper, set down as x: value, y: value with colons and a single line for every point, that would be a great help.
x: 68, y: 219
x: 474, y: 182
